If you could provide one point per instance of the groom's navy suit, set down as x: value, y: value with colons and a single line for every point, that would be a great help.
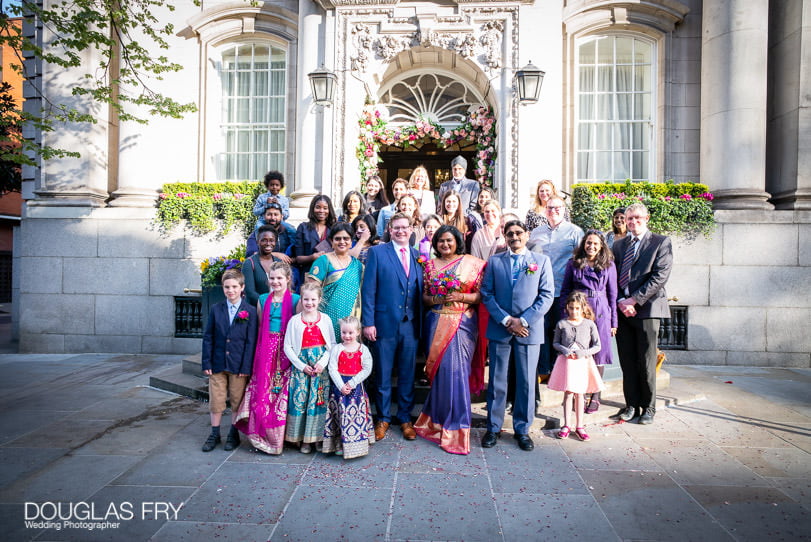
x: 392, y: 302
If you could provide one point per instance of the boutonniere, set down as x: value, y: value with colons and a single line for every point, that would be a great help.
x: 531, y: 268
x: 242, y: 316
x: 422, y: 260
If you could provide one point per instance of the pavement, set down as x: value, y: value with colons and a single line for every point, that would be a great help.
x: 89, y: 452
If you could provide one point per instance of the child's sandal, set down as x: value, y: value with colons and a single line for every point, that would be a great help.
x: 564, y: 432
x: 581, y: 433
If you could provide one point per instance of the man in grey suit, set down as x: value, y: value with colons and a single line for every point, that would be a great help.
x: 644, y: 260
x: 517, y: 290
x: 468, y: 188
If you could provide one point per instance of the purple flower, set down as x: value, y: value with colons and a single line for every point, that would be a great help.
x: 688, y: 197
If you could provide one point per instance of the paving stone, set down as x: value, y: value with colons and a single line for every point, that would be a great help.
x: 724, y: 427
x: 799, y: 490
x: 135, y: 436
x: 426, y: 507
x: 235, y: 494
x: 66, y: 398
x: 422, y: 456
x: 545, y: 470
x: 147, y: 508
x: 333, y: 513
x: 14, y: 427
x: 697, y: 462
x: 650, y: 506
x: 614, y: 452
x: 20, y: 462
x: 162, y: 467
x: 376, y: 470
x: 195, y: 531
x: 774, y: 462
x: 778, y: 517
x: 69, y: 479
x: 552, y: 517
x: 71, y: 434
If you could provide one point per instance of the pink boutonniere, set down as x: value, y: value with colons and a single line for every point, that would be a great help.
x: 242, y: 316
x: 422, y: 261
x: 531, y: 268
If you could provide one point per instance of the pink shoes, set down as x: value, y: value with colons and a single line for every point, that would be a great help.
x: 564, y: 432
x: 581, y: 433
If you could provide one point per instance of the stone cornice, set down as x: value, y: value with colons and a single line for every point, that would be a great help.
x: 589, y: 15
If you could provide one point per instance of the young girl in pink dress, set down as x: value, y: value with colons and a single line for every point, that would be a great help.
x: 577, y: 340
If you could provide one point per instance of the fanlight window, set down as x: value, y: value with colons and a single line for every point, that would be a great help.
x: 429, y: 96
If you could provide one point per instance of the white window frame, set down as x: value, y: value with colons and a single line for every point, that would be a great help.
x: 649, y: 173
x: 216, y: 140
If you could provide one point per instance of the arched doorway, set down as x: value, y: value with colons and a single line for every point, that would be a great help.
x: 436, y: 96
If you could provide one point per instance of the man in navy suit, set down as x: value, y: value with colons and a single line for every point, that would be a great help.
x: 228, y: 346
x: 644, y: 260
x: 391, y: 314
x: 468, y: 188
x: 517, y: 290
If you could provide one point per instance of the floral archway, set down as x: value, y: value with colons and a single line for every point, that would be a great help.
x: 478, y: 128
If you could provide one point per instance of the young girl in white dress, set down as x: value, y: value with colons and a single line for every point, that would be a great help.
x: 577, y: 340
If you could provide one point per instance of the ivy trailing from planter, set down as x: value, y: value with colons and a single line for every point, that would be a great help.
x: 209, y: 207
x: 683, y: 209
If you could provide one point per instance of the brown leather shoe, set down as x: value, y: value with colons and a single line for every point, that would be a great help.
x: 380, y: 430
x: 408, y: 431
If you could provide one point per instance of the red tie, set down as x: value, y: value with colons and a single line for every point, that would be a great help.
x: 403, y: 260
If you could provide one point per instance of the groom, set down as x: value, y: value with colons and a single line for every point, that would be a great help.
x: 517, y: 290
x: 391, y: 300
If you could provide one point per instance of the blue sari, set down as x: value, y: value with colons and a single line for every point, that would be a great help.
x: 341, y: 289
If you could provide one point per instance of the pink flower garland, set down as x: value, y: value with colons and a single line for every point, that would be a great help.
x: 479, y: 128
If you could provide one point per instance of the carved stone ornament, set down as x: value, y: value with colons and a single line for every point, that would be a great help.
x: 387, y: 46
x: 491, y: 41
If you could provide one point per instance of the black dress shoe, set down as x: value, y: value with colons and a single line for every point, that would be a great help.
x: 525, y: 443
x: 489, y: 439
x: 232, y: 441
x: 647, y: 416
x: 626, y: 414
x: 211, y: 442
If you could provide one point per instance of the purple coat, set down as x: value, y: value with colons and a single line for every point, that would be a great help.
x: 601, y: 289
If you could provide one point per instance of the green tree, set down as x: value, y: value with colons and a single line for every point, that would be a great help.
x: 125, y: 33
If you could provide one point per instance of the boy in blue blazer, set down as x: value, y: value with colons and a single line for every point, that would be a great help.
x: 228, y: 347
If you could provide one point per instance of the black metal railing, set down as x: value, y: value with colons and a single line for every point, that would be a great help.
x: 673, y: 330
x: 188, y: 317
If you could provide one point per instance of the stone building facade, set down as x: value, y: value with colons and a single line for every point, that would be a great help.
x: 712, y: 90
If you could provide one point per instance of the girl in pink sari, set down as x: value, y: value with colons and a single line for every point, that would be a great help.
x: 263, y: 412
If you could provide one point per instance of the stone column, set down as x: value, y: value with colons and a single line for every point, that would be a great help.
x: 733, y: 102
x: 307, y: 148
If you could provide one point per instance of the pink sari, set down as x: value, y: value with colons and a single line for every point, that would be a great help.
x: 263, y: 412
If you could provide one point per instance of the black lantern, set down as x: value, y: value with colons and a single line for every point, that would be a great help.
x: 529, y: 79
x: 322, y: 82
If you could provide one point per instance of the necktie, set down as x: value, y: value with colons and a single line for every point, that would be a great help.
x: 627, y: 261
x: 403, y: 260
x: 516, y: 266
x: 232, y: 311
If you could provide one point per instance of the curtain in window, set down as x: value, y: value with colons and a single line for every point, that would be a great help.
x: 613, y: 108
x: 253, y: 82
